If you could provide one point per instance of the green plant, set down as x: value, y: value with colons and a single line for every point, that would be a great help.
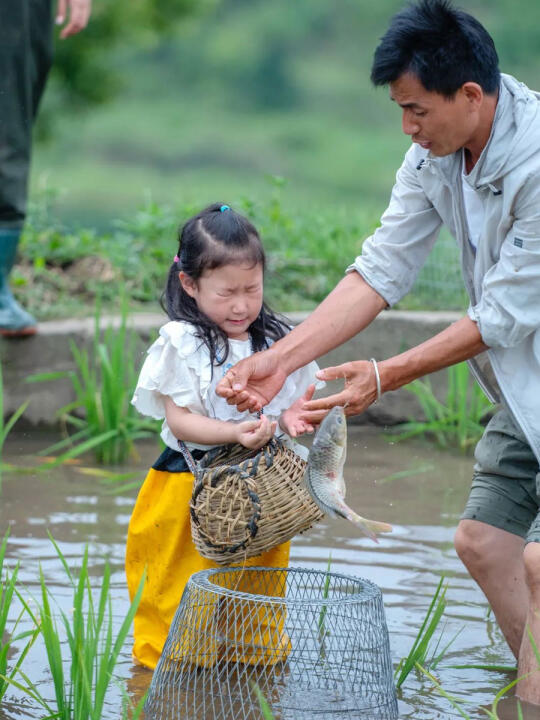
x: 263, y: 702
x: 457, y: 704
x: 92, y: 650
x: 418, y: 653
x: 9, y: 636
x: 5, y: 427
x: 457, y: 420
x: 130, y: 711
x: 103, y: 381
x: 324, y: 609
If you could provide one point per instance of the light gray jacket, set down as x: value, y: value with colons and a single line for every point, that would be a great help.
x: 503, y: 277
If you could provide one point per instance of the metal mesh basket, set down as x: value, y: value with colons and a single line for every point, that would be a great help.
x: 314, y: 643
x: 246, y: 502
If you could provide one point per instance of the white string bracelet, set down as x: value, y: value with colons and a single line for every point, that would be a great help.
x: 377, y: 379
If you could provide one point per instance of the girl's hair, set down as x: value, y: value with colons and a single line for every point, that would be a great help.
x: 215, y: 237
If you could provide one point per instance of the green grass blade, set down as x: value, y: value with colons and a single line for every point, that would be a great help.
x: 419, y: 648
x: 452, y: 700
x: 263, y: 702
x: 12, y: 420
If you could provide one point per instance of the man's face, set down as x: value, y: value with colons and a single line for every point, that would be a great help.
x: 436, y: 123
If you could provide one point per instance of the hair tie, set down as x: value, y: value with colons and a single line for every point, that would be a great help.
x: 176, y: 259
x: 223, y: 208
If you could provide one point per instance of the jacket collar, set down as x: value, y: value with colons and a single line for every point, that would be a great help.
x: 515, y: 135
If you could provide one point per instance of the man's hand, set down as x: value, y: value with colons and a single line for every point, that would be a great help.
x: 79, y: 13
x: 359, y: 392
x: 254, y: 434
x: 253, y: 382
x: 292, y: 420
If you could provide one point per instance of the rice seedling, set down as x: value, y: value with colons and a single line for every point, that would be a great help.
x: 492, y: 713
x: 130, y: 711
x: 9, y: 636
x: 418, y: 653
x: 326, y: 589
x: 413, y: 471
x: 6, y: 427
x: 456, y: 704
x: 322, y: 631
x: 117, y: 482
x: 455, y: 422
x: 263, y: 702
x: 83, y: 672
x: 103, y: 382
x: 485, y: 666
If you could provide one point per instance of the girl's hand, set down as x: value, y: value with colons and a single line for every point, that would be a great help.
x: 292, y: 420
x: 254, y: 434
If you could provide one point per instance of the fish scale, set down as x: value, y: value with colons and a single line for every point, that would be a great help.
x: 324, y: 474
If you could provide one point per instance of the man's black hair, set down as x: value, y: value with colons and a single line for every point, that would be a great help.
x: 442, y: 46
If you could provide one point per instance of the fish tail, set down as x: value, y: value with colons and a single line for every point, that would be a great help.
x: 369, y: 527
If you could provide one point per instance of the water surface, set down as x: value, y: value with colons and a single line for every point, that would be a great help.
x: 417, y: 488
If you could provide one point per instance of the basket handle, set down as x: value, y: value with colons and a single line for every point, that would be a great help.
x: 249, y: 465
x: 188, y: 457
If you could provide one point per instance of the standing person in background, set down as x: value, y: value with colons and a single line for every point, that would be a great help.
x: 26, y: 50
x: 474, y: 166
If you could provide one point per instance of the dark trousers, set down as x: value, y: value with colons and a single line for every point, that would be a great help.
x: 26, y: 43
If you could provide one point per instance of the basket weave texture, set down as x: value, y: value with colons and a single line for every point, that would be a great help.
x: 246, y: 502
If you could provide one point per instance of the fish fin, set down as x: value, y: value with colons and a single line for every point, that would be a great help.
x: 368, y: 527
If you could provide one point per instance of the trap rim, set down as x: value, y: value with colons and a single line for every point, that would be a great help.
x: 367, y: 590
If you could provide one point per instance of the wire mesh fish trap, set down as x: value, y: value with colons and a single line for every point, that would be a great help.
x: 315, y: 643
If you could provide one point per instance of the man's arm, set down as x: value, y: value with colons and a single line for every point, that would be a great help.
x: 347, y: 310
x: 350, y: 307
x: 460, y: 341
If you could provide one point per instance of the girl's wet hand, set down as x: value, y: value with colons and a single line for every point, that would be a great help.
x: 254, y: 434
x: 360, y: 390
x: 292, y: 420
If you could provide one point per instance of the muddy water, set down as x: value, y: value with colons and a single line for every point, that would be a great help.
x: 418, y: 489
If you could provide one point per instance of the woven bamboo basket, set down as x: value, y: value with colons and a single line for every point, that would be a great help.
x: 246, y: 502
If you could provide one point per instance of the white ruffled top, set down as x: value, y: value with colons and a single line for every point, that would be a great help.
x: 178, y: 365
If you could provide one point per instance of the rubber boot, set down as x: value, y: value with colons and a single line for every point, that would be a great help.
x: 14, y: 321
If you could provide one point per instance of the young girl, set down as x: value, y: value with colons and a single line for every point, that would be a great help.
x: 214, y: 299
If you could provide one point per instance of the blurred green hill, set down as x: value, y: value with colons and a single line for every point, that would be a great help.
x: 205, y: 105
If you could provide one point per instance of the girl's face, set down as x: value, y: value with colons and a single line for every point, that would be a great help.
x: 230, y: 295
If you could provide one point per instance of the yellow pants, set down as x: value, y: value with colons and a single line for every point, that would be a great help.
x: 159, y: 539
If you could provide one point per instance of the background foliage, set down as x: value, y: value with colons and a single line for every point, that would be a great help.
x: 172, y: 104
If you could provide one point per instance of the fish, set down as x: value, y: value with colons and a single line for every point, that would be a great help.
x: 324, y: 473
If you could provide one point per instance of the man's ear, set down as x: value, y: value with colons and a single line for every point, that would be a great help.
x: 473, y: 93
x: 187, y: 283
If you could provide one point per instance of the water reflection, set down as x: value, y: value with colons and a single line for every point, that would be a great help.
x: 423, y: 504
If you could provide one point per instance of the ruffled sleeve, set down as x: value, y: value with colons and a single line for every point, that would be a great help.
x: 176, y: 365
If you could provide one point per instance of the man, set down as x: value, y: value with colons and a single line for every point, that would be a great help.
x: 25, y: 60
x: 475, y: 166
